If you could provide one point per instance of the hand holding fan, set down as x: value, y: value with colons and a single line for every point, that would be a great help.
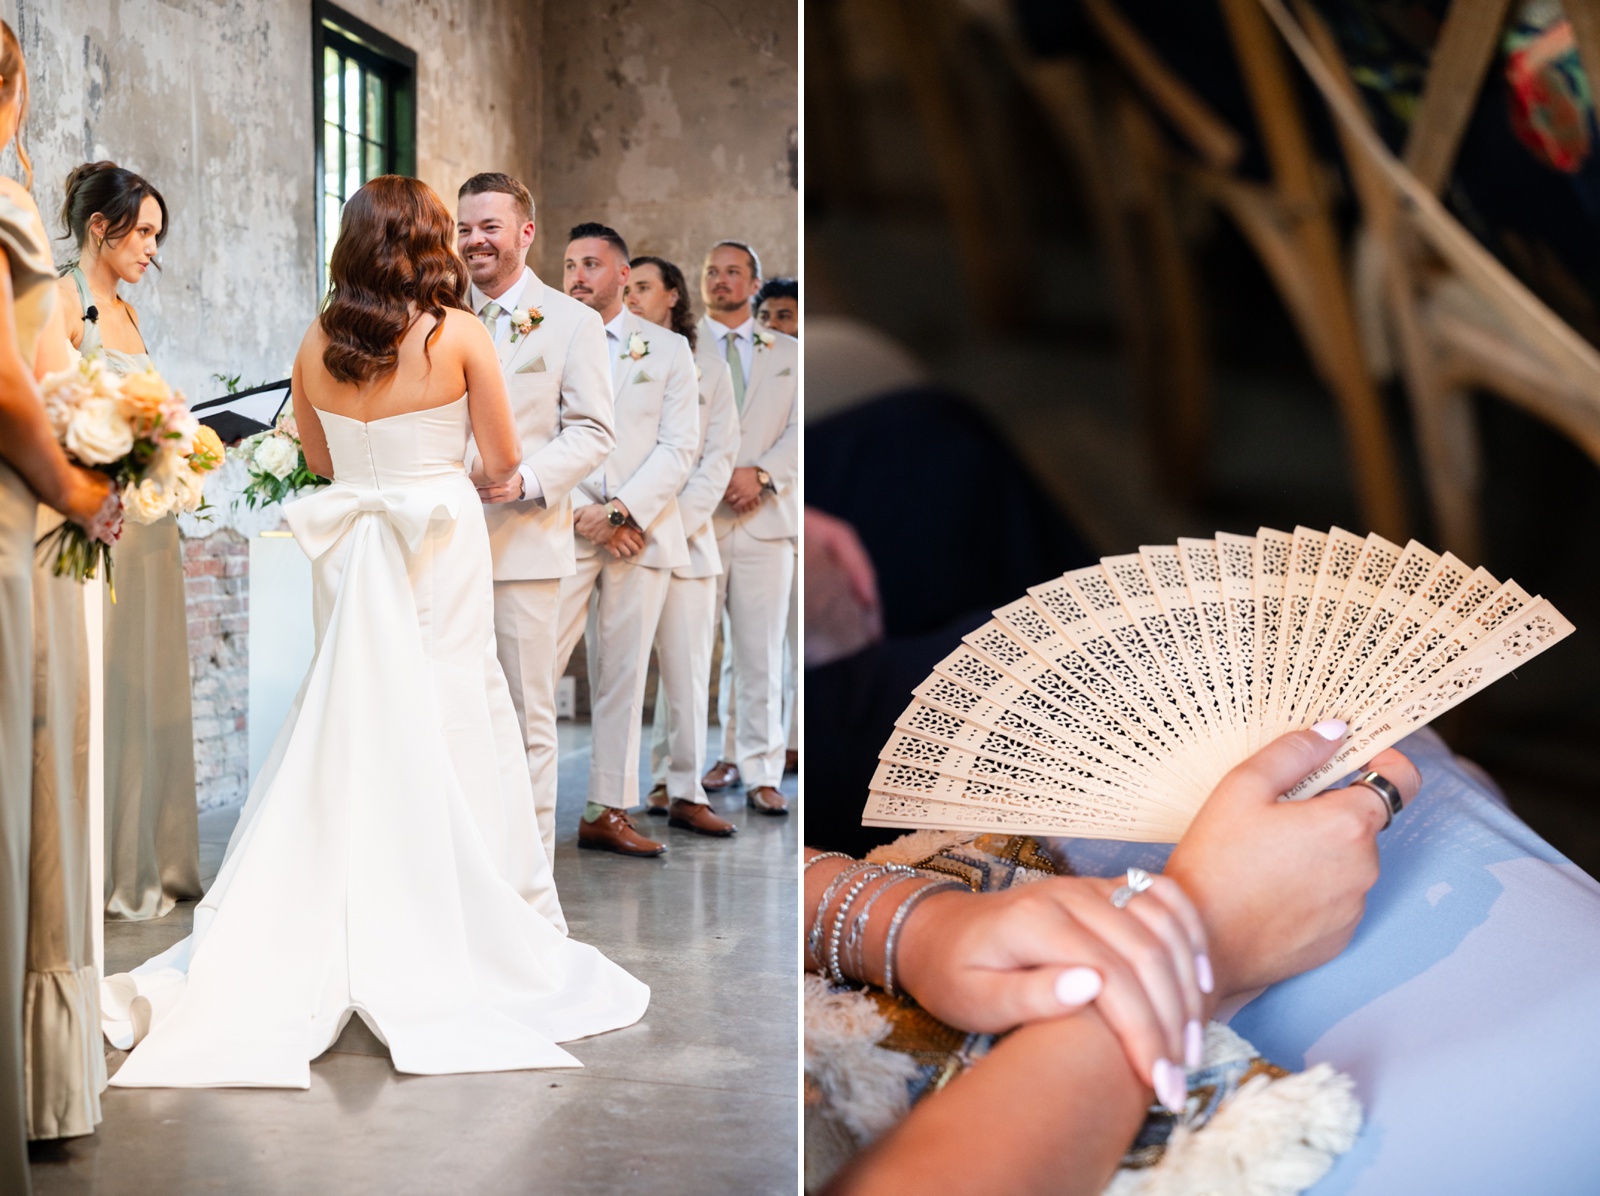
x: 1108, y: 703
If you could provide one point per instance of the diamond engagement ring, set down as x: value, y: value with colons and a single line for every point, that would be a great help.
x: 1138, y: 881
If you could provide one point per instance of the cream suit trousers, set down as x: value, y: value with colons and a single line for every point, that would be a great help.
x: 757, y: 576
x: 683, y: 689
x: 526, y: 633
x: 629, y: 606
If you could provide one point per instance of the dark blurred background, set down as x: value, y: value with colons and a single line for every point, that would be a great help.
x: 1039, y: 221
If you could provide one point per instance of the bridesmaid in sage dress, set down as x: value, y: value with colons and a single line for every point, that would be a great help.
x: 34, y: 852
x: 118, y: 220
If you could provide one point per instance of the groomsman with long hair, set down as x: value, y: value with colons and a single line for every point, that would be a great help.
x: 630, y: 537
x: 757, y: 521
x: 552, y: 353
x: 658, y: 292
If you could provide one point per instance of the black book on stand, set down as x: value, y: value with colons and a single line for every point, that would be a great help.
x: 235, y: 416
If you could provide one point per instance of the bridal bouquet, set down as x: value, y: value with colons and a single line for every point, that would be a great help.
x: 139, y: 433
x: 277, y: 464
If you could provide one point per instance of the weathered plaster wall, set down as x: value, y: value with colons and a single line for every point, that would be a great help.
x: 675, y: 124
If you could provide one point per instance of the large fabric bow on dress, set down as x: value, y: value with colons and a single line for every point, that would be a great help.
x: 320, y: 520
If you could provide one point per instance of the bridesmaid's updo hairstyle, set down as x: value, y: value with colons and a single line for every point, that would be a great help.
x: 14, y: 85
x: 106, y: 189
x: 682, y: 317
x: 396, y: 249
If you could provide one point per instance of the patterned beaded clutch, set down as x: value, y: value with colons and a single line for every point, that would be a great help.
x: 1108, y: 703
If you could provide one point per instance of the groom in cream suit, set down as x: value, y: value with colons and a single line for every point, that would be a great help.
x: 758, y: 519
x: 553, y: 354
x: 629, y: 534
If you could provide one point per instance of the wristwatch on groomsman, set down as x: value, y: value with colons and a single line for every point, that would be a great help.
x: 765, y: 479
x: 615, y: 515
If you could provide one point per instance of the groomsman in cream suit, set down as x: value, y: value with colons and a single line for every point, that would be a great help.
x: 758, y: 520
x: 553, y: 353
x: 629, y: 534
x: 658, y: 292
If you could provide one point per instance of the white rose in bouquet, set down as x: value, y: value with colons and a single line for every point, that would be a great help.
x: 145, y: 502
x: 277, y: 455
x: 187, y: 490
x: 98, y: 433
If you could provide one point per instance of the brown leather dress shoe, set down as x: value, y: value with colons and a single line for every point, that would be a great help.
x: 721, y: 775
x: 692, y: 816
x: 613, y: 831
x: 766, y: 799
x: 791, y: 761
x: 656, y: 802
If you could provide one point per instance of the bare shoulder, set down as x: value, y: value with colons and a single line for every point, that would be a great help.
x: 70, y: 302
x: 313, y: 342
x: 19, y: 195
x: 462, y: 332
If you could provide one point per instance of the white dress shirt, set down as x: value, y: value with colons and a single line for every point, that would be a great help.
x: 508, y: 303
x: 743, y: 339
x: 616, y: 343
x: 508, y: 300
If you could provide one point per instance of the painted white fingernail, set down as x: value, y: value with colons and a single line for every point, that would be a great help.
x: 1203, y: 974
x: 1194, y: 1045
x: 1172, y: 1089
x: 1078, y: 986
x: 1331, y: 728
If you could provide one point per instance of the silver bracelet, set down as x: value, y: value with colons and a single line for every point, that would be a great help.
x: 906, y: 906
x: 814, y: 938
x: 856, y: 940
x: 825, y: 855
x: 879, y: 871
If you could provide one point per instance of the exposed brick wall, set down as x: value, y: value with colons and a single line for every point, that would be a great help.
x: 217, y: 591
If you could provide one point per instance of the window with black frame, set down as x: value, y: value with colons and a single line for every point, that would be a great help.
x: 365, y: 115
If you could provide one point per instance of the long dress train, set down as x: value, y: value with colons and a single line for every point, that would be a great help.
x: 368, y: 871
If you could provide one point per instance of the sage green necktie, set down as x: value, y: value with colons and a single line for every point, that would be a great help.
x: 737, y: 367
x: 490, y: 315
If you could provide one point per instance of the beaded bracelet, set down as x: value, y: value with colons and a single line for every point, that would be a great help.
x: 825, y: 855
x: 814, y: 938
x: 906, y: 906
x: 856, y: 940
x: 878, y: 872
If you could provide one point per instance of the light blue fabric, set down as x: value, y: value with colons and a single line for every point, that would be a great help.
x: 1467, y: 1008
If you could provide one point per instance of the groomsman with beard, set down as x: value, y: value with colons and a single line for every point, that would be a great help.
x: 629, y: 534
x: 758, y: 520
x: 657, y: 292
x: 553, y: 355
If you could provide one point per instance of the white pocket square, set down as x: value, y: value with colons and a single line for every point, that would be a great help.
x: 784, y: 372
x: 536, y: 366
x: 642, y: 377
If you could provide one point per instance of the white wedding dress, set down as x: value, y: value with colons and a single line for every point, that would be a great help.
x: 386, y: 862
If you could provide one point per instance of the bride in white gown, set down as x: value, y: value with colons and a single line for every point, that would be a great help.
x: 387, y: 862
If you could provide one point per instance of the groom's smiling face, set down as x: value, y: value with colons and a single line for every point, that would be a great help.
x: 492, y: 238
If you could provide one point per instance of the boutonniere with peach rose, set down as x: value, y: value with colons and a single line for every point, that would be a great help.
x: 764, y: 339
x: 523, y: 321
x: 637, y: 347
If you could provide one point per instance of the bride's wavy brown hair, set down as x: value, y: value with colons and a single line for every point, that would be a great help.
x: 395, y: 259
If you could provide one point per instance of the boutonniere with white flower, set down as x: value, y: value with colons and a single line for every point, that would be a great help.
x: 637, y: 347
x: 764, y: 339
x: 524, y: 320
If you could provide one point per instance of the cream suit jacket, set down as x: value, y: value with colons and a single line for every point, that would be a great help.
x: 769, y: 436
x: 657, y: 406
x: 559, y: 381
x: 719, y: 446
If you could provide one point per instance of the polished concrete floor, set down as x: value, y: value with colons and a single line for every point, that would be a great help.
x: 699, y: 1097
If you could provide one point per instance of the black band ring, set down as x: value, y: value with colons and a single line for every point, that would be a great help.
x: 1393, y: 803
